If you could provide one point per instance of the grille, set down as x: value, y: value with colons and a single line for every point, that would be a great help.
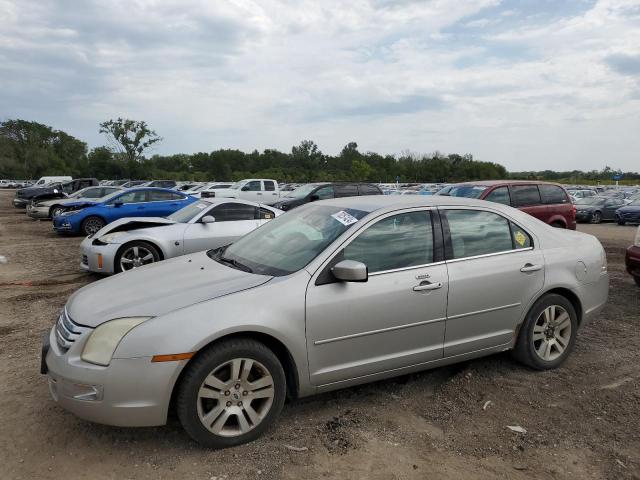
x: 67, y: 331
x: 85, y: 260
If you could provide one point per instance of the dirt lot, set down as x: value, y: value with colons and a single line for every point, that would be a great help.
x: 582, y: 421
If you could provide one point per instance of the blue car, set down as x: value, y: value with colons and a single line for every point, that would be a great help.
x: 629, y: 213
x: 88, y: 218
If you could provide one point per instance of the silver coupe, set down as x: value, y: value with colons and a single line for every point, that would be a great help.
x: 332, y: 294
x: 132, y: 242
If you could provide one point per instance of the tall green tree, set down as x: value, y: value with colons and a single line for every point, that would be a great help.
x: 129, y: 137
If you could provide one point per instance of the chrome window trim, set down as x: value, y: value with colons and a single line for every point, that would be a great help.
x: 484, y: 255
x: 403, y: 269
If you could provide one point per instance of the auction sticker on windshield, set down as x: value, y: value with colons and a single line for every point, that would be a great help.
x: 344, y: 218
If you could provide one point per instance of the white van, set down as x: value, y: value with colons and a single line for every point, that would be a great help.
x: 47, y: 180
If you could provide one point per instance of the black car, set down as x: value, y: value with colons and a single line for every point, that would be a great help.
x: 53, y: 190
x: 321, y: 191
x: 629, y: 213
x: 597, y: 209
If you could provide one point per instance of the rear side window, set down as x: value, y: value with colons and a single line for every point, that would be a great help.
x: 366, y: 189
x: 94, y: 193
x: 269, y: 186
x: 476, y: 232
x: 552, y: 194
x: 138, y: 196
x: 162, y: 196
x: 400, y: 241
x: 499, y: 195
x: 231, y: 212
x: 346, y: 190
x: 525, y: 195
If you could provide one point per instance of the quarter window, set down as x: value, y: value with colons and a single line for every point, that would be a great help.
x: 499, y: 195
x: 521, y: 239
x: 132, y: 197
x: 476, y: 232
x: 525, y: 195
x: 264, y: 214
x: 400, y: 241
x: 552, y: 194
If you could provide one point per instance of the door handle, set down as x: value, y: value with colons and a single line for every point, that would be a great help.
x: 530, y: 268
x: 427, y: 286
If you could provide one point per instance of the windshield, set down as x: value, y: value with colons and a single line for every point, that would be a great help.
x: 289, y: 242
x: 468, y: 191
x: 187, y: 213
x: 302, y: 191
x: 635, y: 203
x: 589, y: 201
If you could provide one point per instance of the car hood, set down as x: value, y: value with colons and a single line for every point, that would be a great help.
x: 157, y: 289
x: 66, y: 201
x: 587, y: 207
x: 133, y: 223
x: 629, y: 208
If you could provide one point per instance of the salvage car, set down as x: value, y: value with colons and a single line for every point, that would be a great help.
x: 44, y: 209
x: 332, y: 294
x: 136, y: 241
x: 597, y: 209
x: 50, y: 190
x: 133, y: 202
x: 632, y: 259
x: 629, y: 213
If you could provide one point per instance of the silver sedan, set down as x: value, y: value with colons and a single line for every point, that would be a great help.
x: 332, y: 294
x: 132, y: 242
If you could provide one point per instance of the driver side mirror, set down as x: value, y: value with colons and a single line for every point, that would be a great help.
x: 245, y: 188
x: 350, y: 271
x: 208, y: 219
x: 118, y: 203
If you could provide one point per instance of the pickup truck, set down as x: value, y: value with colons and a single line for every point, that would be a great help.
x: 257, y: 190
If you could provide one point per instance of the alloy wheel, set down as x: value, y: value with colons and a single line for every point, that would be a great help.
x: 135, y: 256
x: 596, y: 217
x: 57, y: 211
x: 552, y: 333
x: 92, y: 225
x: 235, y: 397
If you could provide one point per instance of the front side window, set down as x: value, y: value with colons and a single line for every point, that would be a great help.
x: 400, y: 241
x: 499, y: 195
x: 324, y: 193
x: 253, y: 186
x: 232, y: 212
x: 525, y: 195
x: 476, y: 232
x: 93, y: 193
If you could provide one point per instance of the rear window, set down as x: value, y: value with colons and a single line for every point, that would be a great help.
x: 552, y: 194
x: 468, y: 191
x: 368, y: 190
x: 525, y: 195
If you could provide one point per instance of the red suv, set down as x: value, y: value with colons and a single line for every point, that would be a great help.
x: 548, y: 202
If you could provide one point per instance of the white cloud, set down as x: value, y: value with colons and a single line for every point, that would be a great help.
x: 544, y: 89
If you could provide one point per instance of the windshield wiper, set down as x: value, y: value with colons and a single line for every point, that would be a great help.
x: 235, y: 263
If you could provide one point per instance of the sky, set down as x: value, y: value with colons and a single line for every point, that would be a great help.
x: 530, y: 84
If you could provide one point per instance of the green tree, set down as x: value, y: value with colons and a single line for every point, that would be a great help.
x: 129, y: 137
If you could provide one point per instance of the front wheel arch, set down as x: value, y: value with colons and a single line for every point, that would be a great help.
x: 272, y: 343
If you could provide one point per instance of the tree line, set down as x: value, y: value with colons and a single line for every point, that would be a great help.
x: 30, y: 149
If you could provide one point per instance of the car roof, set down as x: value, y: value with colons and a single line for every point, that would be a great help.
x: 491, y: 183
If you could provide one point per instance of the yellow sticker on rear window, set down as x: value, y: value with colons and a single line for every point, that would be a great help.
x: 520, y: 238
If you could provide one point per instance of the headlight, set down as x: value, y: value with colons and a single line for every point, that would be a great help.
x: 110, y: 237
x: 103, y: 340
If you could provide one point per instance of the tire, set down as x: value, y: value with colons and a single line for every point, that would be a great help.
x: 55, y: 211
x: 596, y: 217
x: 135, y: 254
x: 621, y: 222
x: 534, y: 334
x: 637, y: 280
x: 558, y: 225
x: 91, y: 225
x: 222, y: 408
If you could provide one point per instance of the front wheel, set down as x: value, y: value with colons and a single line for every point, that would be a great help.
x: 621, y: 222
x: 91, y: 225
x: 56, y: 211
x: 231, y: 393
x: 596, y: 217
x: 548, y: 333
x: 134, y: 255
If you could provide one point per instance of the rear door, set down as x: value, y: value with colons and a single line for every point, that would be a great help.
x: 269, y: 194
x: 559, y: 206
x: 527, y: 198
x: 164, y: 202
x: 495, y: 269
x: 133, y: 205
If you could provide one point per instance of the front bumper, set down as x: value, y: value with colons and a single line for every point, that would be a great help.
x: 630, y: 217
x: 98, y: 258
x: 130, y: 392
x: 20, y: 202
x: 39, y: 213
x: 632, y: 260
x: 62, y: 224
x: 583, y: 216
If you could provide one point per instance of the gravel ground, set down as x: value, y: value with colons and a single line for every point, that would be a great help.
x: 581, y: 421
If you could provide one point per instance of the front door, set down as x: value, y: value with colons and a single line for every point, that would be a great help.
x: 494, y: 271
x: 393, y: 320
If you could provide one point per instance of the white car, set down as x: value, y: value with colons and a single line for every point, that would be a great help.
x: 132, y: 242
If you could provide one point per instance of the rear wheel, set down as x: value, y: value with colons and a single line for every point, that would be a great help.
x: 91, y: 225
x: 548, y: 333
x: 596, y: 217
x: 558, y: 225
x: 231, y: 393
x: 136, y: 254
